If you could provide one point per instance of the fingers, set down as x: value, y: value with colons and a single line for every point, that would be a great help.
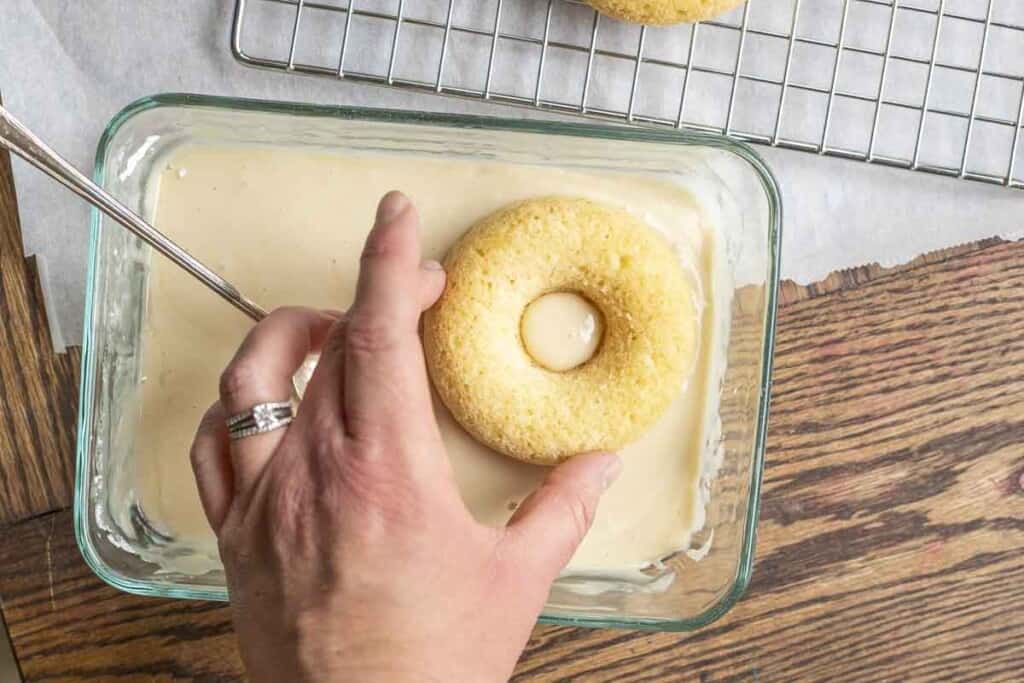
x: 385, y: 381
x: 551, y: 523
x: 330, y: 368
x: 211, y: 465
x: 261, y: 372
x: 389, y: 267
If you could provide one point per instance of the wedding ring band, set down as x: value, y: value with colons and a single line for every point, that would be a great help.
x: 261, y: 418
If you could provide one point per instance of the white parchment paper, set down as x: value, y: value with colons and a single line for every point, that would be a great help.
x: 67, y: 67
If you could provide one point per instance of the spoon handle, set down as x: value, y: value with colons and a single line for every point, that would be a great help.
x: 20, y: 140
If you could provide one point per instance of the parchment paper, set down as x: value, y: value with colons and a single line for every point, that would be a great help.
x: 67, y: 67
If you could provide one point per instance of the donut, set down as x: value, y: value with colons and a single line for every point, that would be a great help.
x: 476, y: 356
x: 663, y: 11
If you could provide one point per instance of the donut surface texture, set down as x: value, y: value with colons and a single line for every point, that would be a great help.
x: 474, y: 348
x: 663, y: 12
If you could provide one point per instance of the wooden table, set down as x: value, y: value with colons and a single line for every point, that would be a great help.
x: 891, y: 543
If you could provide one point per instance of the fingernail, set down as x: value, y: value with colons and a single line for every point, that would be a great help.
x: 612, y: 470
x: 431, y: 264
x: 391, y: 206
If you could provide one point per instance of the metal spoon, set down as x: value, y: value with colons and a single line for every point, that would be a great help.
x: 16, y: 137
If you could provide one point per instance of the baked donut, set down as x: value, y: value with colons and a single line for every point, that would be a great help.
x: 663, y: 11
x: 475, y: 351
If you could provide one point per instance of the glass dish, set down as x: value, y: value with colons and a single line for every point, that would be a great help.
x: 112, y: 530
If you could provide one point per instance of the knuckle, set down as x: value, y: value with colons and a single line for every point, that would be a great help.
x: 371, y: 429
x: 381, y: 494
x: 328, y: 444
x: 238, y: 380
x: 380, y: 246
x: 368, y: 334
x: 334, y: 345
x: 576, y: 508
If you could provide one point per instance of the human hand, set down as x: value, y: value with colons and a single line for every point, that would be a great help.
x: 348, y: 551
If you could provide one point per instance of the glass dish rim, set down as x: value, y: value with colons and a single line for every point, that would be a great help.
x: 83, y: 455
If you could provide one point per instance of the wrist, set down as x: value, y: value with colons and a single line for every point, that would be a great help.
x: 329, y: 651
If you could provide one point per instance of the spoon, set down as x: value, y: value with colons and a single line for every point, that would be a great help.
x: 16, y: 137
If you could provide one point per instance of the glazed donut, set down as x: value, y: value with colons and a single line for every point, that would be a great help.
x: 475, y: 351
x: 663, y: 11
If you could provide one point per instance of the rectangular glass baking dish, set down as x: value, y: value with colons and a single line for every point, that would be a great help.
x: 111, y: 529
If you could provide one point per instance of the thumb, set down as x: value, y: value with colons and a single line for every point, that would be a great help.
x: 551, y: 523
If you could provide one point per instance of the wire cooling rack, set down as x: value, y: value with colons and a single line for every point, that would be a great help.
x: 929, y: 85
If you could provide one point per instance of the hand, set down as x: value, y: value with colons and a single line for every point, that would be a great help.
x: 348, y: 551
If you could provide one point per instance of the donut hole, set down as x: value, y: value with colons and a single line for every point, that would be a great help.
x: 561, y: 330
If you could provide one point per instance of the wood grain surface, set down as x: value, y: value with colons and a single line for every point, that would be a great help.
x: 37, y: 386
x: 67, y: 625
x: 891, y: 544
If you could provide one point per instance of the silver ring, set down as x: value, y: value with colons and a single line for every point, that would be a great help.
x: 261, y: 418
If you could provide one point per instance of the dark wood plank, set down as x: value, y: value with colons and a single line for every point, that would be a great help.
x: 38, y: 388
x: 67, y: 625
x: 892, y: 538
